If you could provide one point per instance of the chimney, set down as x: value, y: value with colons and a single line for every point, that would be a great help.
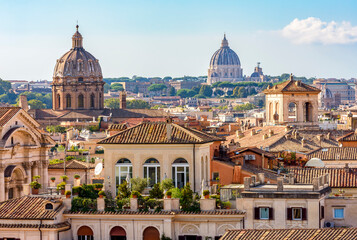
x: 247, y: 183
x: 280, y: 184
x: 315, y: 184
x: 23, y: 103
x: 122, y: 96
x: 287, y: 128
x: 265, y: 136
x: 261, y: 177
x: 252, y: 132
x: 347, y: 168
x: 303, y: 142
x: 169, y: 128
x: 288, y: 136
x: 254, y: 180
x: 291, y: 178
x: 239, y: 134
x: 271, y: 132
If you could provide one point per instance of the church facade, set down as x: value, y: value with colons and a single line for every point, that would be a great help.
x: 77, y: 79
x: 24, y: 153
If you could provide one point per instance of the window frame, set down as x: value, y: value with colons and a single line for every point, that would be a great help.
x: 260, y: 213
x: 338, y: 208
x: 292, y: 214
x: 249, y: 157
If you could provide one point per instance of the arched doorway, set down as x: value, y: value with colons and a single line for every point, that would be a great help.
x: 117, y: 233
x: 180, y: 172
x: 15, y: 178
x: 151, y: 233
x: 85, y: 233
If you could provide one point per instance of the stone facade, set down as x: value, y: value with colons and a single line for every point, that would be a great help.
x: 291, y: 102
x: 77, y: 79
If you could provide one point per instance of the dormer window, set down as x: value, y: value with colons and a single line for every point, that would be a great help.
x: 49, y: 206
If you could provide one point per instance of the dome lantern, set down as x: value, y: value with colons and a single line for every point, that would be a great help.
x: 224, y: 42
x: 77, y: 39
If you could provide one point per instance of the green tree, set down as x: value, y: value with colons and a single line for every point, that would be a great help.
x: 244, y: 107
x: 156, y: 191
x: 186, y: 93
x: 113, y: 103
x: 206, y: 90
x: 137, y: 104
x: 172, y: 91
x: 36, y: 104
x: 57, y: 129
x: 157, y: 87
x: 117, y: 87
x: 106, y: 88
x: 123, y: 190
x: 218, y: 92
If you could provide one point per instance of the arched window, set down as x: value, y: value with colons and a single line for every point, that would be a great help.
x: 292, y: 112
x: 48, y: 206
x: 276, y: 108
x: 117, y: 233
x: 92, y: 99
x: 68, y: 101
x: 85, y: 233
x: 152, y: 171
x: 151, y: 233
x: 180, y: 172
x: 122, y: 168
x: 80, y: 101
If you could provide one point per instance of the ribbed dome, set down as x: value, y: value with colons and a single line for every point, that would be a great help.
x: 77, y: 62
x: 225, y: 55
x: 255, y: 74
x: 326, y: 93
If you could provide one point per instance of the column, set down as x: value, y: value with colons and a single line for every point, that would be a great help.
x: 35, y: 168
x: 27, y: 167
x: 45, y: 174
x: 2, y: 183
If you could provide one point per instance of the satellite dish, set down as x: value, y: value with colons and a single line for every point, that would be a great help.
x: 98, y: 169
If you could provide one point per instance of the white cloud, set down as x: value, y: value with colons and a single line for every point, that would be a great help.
x: 313, y: 30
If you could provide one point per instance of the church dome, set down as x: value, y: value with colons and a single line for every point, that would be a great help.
x: 326, y: 93
x: 77, y: 62
x: 255, y: 74
x: 225, y: 55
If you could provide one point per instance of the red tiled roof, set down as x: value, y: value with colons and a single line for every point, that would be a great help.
x: 156, y: 133
x: 339, y: 177
x: 72, y: 164
x: 28, y: 207
x: 213, y: 212
x: 334, y: 153
x: 292, y: 86
x: 6, y: 113
x: 290, y: 234
x: 22, y: 225
x: 349, y: 137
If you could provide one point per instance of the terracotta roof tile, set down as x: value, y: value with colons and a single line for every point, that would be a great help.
x: 339, y: 177
x: 6, y: 113
x: 334, y: 153
x: 22, y: 225
x: 290, y: 234
x: 156, y: 133
x: 292, y: 86
x: 72, y: 164
x: 117, y: 127
x: 28, y: 207
x: 349, y: 137
x: 213, y: 212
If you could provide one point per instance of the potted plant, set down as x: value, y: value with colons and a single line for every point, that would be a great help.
x: 64, y: 178
x: 227, y: 205
x: 135, y: 194
x: 168, y: 194
x: 76, y: 176
x: 206, y: 194
x: 75, y: 190
x: 53, y: 179
x: 61, y: 186
x: 68, y: 194
x: 98, y: 186
x: 101, y: 194
x: 35, y: 187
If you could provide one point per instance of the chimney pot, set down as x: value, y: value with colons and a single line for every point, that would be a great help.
x: 247, y: 183
x: 280, y: 184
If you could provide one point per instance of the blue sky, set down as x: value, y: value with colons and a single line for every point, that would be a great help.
x: 176, y: 38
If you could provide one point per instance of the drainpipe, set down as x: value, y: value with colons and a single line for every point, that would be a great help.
x: 194, y: 167
x: 39, y: 229
x: 63, y: 230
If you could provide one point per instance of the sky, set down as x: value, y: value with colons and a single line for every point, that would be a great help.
x: 157, y: 38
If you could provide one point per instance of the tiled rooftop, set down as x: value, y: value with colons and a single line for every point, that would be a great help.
x: 339, y: 177
x: 291, y: 234
x: 28, y: 207
x: 72, y: 164
x: 213, y: 212
x: 334, y: 153
x: 292, y: 86
x: 156, y: 133
x: 6, y: 113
